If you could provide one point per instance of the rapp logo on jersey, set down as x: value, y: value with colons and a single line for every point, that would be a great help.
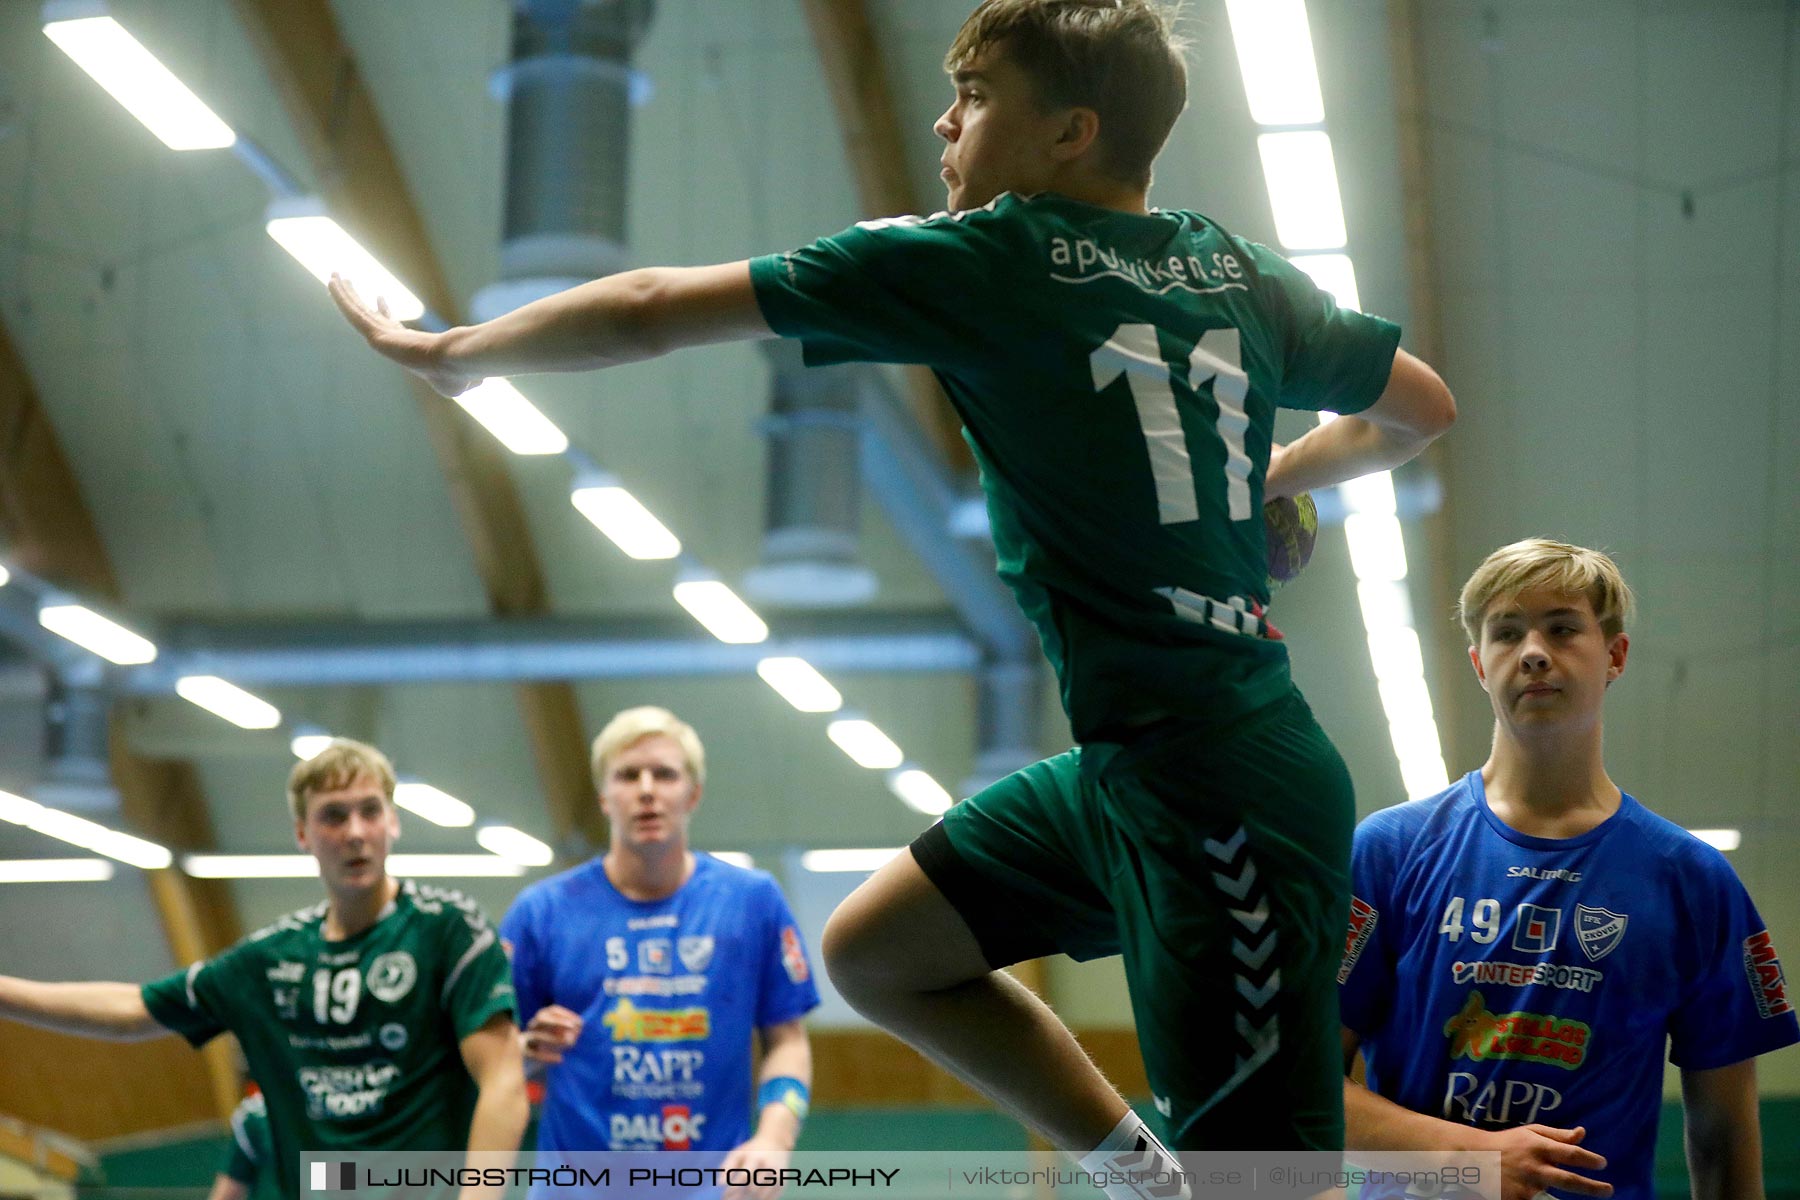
x: 1480, y: 1035
x: 1536, y: 929
x: 1598, y: 931
x: 629, y: 1023
x: 1501, y: 1103
x: 1362, y: 927
x: 1768, y: 983
x: 793, y: 955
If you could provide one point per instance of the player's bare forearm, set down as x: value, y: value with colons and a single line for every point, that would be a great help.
x: 1413, y: 410
x: 1373, y: 1122
x: 494, y: 1057
x: 1723, y: 1132
x: 786, y: 1054
x: 112, y: 1011
x: 619, y: 319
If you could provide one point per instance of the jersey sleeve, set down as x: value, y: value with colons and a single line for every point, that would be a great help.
x: 901, y: 290
x: 479, y: 981
x: 520, y: 938
x: 250, y: 1146
x: 1366, y: 977
x: 202, y: 1000
x: 1332, y: 358
x: 1737, y: 1006
x: 788, y: 991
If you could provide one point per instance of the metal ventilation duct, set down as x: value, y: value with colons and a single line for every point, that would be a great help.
x: 810, y: 552
x: 569, y: 91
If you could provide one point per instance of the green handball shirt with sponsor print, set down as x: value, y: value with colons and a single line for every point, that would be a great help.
x: 1117, y: 375
x: 355, y: 1042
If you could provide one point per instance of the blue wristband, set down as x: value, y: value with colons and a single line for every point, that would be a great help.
x: 785, y: 1090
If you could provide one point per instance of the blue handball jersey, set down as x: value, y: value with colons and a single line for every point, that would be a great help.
x: 670, y: 991
x: 1498, y: 979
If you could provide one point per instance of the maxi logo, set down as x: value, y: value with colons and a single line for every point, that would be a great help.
x: 629, y: 1023
x: 1502, y: 1103
x: 1509, y: 974
x: 1598, y: 931
x: 1768, y: 984
x: 793, y: 955
x: 1483, y: 1036
x: 1362, y: 928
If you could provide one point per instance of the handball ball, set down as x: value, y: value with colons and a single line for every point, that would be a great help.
x: 1292, y: 527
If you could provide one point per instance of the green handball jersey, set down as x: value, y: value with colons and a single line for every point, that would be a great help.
x: 1117, y: 376
x: 354, y: 1042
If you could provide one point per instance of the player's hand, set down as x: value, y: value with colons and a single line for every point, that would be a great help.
x: 756, y: 1154
x: 553, y: 1029
x: 415, y: 349
x: 1535, y: 1157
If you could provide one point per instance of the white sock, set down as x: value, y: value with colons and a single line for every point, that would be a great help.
x: 1131, y: 1147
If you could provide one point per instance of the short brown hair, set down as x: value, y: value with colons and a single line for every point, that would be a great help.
x: 1557, y: 566
x: 635, y: 724
x: 1121, y: 58
x: 336, y: 766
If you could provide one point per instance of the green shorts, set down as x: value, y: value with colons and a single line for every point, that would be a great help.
x: 1216, y: 860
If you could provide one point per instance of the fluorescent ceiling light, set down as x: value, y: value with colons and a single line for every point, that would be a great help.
x: 91, y: 631
x: 630, y: 526
x: 718, y: 608
x: 866, y: 745
x: 250, y: 866
x: 1275, y: 55
x: 1407, y: 701
x: 309, y: 745
x: 800, y: 684
x: 515, y: 421
x: 1377, y: 550
x: 736, y: 858
x: 921, y: 792
x: 848, y: 860
x: 434, y: 804
x: 304, y: 866
x: 1336, y: 276
x: 1303, y: 190
x: 1372, y: 493
x: 149, y: 91
x: 515, y: 845
x: 1394, y: 652
x: 1723, y: 839
x: 79, y: 831
x: 320, y: 244
x: 1385, y: 604
x: 5, y: 575
x: 55, y: 870
x: 1423, y: 776
x: 229, y: 701
x: 1415, y: 740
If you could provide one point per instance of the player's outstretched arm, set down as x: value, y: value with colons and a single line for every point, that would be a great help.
x: 1414, y: 410
x: 619, y: 319
x: 1532, y: 1157
x: 113, y: 1011
x: 1724, y: 1132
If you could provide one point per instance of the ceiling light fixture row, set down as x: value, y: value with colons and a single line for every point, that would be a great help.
x: 1281, y: 83
x: 300, y: 224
